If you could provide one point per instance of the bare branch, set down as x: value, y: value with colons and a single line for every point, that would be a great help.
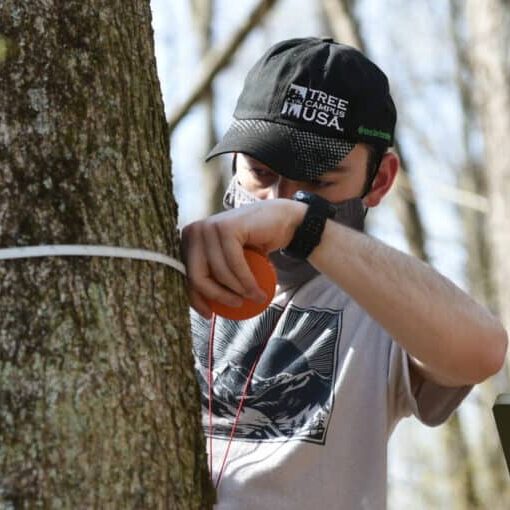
x: 340, y: 18
x: 216, y: 60
x: 460, y: 197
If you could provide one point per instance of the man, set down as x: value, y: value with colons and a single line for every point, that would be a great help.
x: 300, y: 400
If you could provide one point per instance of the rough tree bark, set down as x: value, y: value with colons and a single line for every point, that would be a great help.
x: 98, y: 402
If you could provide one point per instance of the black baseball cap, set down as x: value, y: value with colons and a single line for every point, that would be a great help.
x: 304, y: 106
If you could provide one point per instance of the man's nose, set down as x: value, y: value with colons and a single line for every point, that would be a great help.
x: 284, y: 188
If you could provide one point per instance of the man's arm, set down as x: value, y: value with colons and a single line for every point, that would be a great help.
x: 452, y: 340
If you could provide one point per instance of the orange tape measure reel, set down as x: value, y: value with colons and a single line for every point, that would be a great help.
x: 265, y: 274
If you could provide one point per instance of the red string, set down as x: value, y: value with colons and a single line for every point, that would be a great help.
x: 210, y: 389
x: 238, y: 415
x: 239, y: 407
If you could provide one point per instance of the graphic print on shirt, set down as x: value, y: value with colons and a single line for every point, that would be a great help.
x: 291, y: 394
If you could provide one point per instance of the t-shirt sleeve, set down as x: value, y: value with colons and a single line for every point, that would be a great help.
x: 430, y: 402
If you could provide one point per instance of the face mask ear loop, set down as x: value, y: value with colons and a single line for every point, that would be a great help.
x: 368, y: 185
x: 365, y: 193
x: 234, y: 164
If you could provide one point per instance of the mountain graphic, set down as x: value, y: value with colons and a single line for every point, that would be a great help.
x: 291, y: 393
x: 283, y: 406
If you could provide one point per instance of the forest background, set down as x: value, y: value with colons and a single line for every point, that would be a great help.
x: 448, y: 62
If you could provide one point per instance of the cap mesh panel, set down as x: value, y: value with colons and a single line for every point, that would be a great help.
x: 313, y: 154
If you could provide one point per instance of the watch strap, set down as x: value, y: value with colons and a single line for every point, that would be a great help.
x: 308, y: 234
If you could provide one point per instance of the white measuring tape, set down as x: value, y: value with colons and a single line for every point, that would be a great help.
x: 89, y: 250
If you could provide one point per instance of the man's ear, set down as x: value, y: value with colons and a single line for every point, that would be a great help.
x: 383, y: 180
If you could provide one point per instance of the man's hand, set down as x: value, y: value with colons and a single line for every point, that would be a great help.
x: 213, y: 250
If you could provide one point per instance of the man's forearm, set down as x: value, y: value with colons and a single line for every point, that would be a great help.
x: 455, y: 340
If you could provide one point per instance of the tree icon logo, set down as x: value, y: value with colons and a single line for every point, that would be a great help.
x: 293, y: 104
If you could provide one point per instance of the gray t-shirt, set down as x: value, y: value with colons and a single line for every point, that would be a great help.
x: 326, y: 393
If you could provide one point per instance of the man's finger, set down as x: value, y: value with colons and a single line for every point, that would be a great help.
x: 234, y: 254
x: 219, y: 268
x: 200, y: 304
x: 213, y: 291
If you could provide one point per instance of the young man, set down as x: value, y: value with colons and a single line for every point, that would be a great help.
x: 305, y: 395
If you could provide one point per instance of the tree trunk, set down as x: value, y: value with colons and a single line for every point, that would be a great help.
x: 489, y: 22
x: 489, y: 38
x: 462, y: 493
x: 217, y: 59
x: 212, y: 177
x: 490, y: 474
x: 345, y: 28
x: 99, y: 407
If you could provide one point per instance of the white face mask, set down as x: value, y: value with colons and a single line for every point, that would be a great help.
x: 290, y: 271
x: 236, y: 196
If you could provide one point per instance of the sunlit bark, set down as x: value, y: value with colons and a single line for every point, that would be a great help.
x: 99, y: 407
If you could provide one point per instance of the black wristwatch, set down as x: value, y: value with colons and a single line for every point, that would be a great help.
x: 308, y: 235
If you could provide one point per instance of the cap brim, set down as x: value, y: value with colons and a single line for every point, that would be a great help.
x: 293, y: 153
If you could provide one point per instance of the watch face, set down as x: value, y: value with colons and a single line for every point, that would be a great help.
x: 302, y: 196
x: 307, y: 198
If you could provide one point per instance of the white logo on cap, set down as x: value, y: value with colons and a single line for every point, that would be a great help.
x: 314, y: 106
x: 293, y: 104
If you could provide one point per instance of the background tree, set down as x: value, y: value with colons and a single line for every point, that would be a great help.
x: 212, y: 179
x: 442, y: 204
x: 491, y: 477
x: 489, y: 23
x: 99, y: 407
x: 345, y: 27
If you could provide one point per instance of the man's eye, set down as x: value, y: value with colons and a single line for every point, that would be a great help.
x: 320, y: 184
x: 261, y: 173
